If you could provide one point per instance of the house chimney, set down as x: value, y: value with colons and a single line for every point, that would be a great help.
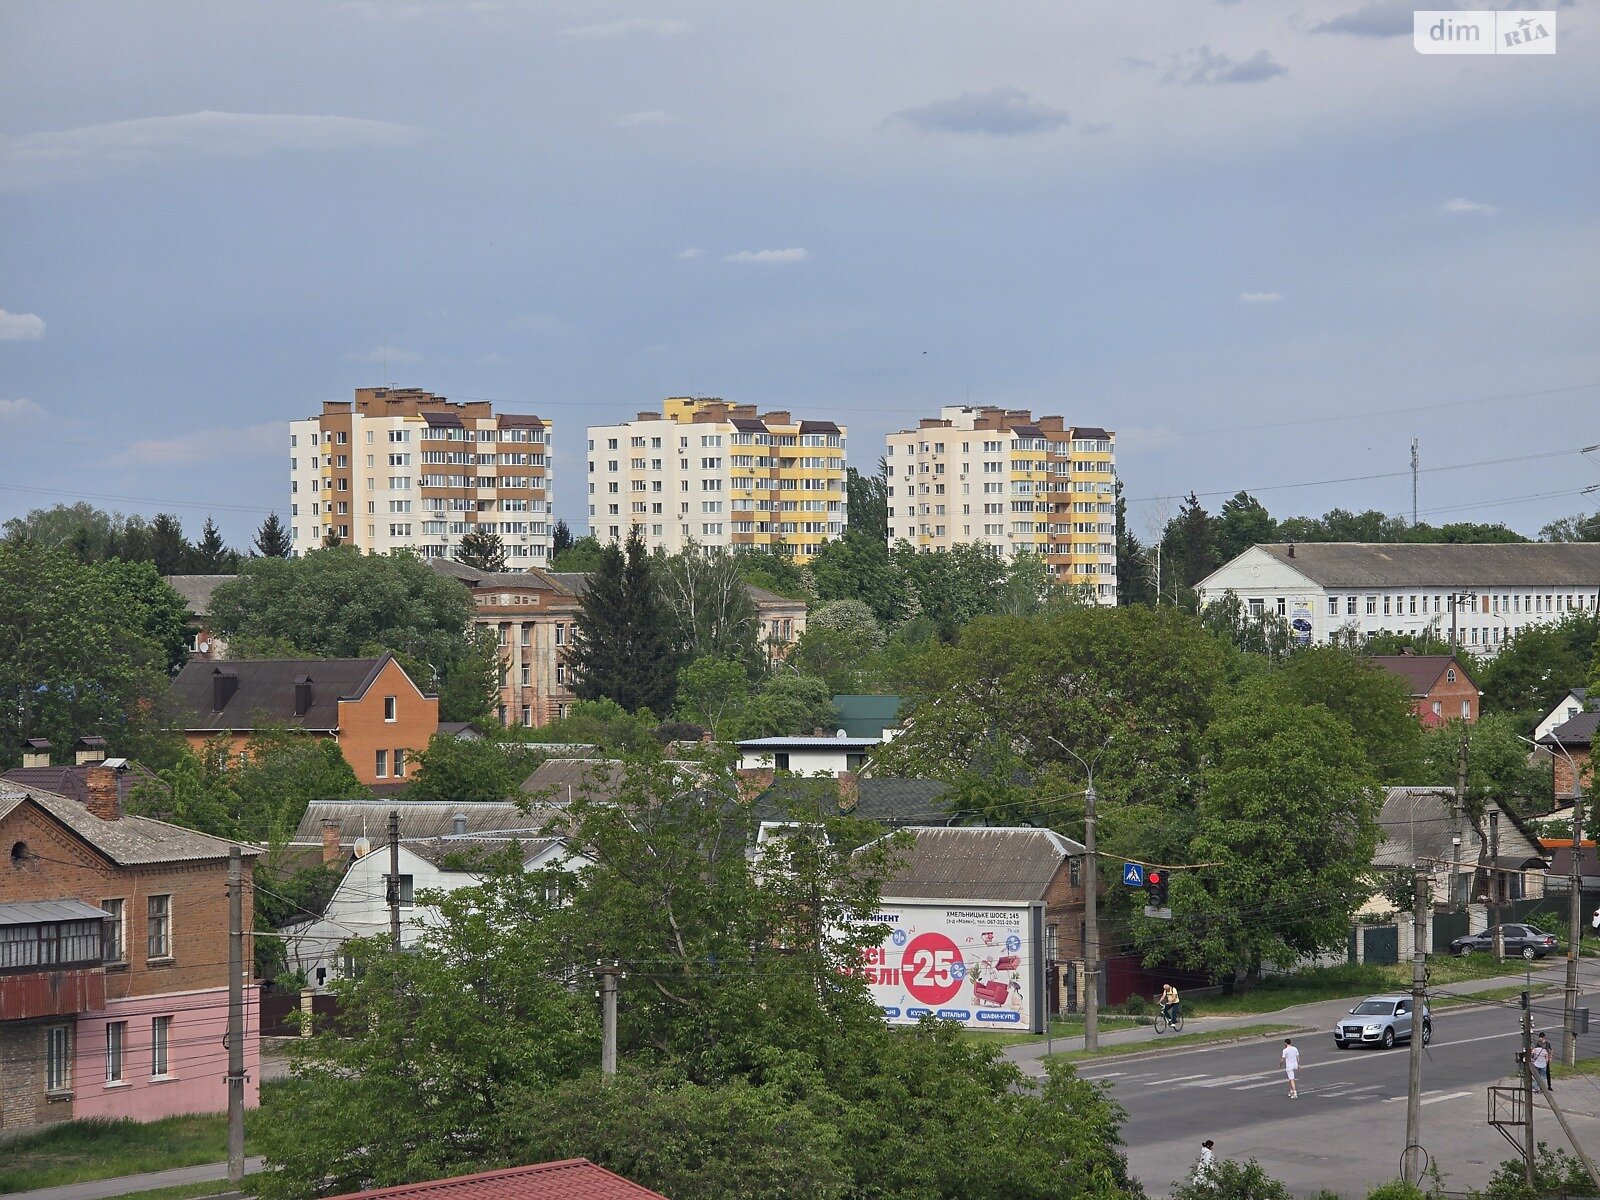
x: 302, y: 695
x: 223, y: 685
x: 331, y: 852
x: 103, y: 799
x: 36, y: 752
x: 1291, y: 549
x: 90, y: 750
x: 458, y: 825
x: 849, y: 790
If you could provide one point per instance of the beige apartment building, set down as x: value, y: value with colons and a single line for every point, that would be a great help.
x: 1016, y: 483
x: 401, y: 467
x: 718, y: 474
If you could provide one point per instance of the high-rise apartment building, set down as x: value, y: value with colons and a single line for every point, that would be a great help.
x: 1017, y: 484
x: 717, y: 474
x: 400, y: 467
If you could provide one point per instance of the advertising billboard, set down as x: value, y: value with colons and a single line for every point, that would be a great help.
x: 977, y: 963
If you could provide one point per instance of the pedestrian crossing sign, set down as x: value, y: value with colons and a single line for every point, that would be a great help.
x: 1133, y: 874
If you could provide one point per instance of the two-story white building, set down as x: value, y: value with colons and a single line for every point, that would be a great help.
x: 807, y: 755
x: 1474, y: 596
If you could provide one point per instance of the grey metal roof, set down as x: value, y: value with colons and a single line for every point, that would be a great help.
x: 266, y: 686
x: 1429, y: 564
x: 418, y: 819
x: 1577, y: 732
x: 38, y: 911
x: 1420, y: 823
x: 894, y: 802
x: 472, y: 577
x: 128, y: 841
x: 810, y: 743
x: 471, y: 853
x: 196, y: 590
x: 73, y: 782
x: 965, y: 863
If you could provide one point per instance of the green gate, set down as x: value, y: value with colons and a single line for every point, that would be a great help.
x: 1381, y: 944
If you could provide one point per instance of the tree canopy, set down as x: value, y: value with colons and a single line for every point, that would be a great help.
x: 623, y: 643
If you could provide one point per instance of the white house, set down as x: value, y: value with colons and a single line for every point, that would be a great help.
x: 807, y: 755
x: 359, y: 906
x: 1569, y: 706
x: 1479, y: 595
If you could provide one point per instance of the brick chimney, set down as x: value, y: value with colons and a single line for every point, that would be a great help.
x: 104, y: 802
x: 849, y: 790
x: 90, y: 749
x: 753, y: 781
x: 302, y: 695
x: 36, y: 752
x: 223, y: 685
x: 331, y: 850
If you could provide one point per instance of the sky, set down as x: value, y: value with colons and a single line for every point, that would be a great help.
x: 1266, y: 242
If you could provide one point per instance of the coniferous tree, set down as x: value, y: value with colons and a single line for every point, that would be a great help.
x: 623, y: 650
x: 169, y: 549
x: 560, y: 538
x: 211, y: 555
x: 484, y: 551
x: 272, y: 539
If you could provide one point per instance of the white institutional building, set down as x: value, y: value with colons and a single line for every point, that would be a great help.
x: 1484, y: 593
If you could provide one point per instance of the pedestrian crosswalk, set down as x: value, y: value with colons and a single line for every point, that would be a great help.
x: 1251, y: 1081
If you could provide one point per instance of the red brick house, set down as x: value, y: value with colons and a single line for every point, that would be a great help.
x: 370, y: 706
x: 1441, y: 689
x: 113, y: 961
x: 1570, y: 745
x: 569, y: 1179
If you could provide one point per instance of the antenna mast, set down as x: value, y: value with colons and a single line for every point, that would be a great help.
x: 1413, y: 482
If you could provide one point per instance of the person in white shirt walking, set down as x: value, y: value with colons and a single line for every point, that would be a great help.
x: 1291, y: 1064
x: 1206, y: 1163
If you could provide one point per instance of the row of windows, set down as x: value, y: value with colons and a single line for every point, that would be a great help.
x: 1504, y: 604
x: 63, y: 943
x: 58, y: 1052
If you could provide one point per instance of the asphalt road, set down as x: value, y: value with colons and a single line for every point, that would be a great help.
x: 1346, y: 1130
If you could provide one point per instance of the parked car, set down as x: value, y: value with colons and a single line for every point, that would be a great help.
x: 1522, y: 940
x: 1381, y: 1021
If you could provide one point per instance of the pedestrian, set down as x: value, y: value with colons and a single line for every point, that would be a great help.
x: 1291, y: 1064
x: 1541, y: 1059
x: 1594, y: 922
x: 1206, y: 1163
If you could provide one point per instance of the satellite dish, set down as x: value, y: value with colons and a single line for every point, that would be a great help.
x: 363, y: 847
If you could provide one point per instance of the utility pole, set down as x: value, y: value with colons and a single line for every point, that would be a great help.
x: 1422, y: 883
x: 1577, y: 1146
x: 1091, y: 927
x: 1494, y: 886
x: 235, y: 1017
x: 1527, y: 1090
x: 1569, y: 1024
x: 1461, y: 818
x: 608, y: 1018
x: 1413, y: 483
x: 392, y: 892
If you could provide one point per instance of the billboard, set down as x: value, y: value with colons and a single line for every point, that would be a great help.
x: 977, y: 963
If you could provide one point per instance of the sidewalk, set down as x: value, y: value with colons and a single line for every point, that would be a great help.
x: 99, y: 1189
x: 1319, y: 1015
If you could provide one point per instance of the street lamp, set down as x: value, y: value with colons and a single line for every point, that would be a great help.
x: 1569, y: 1034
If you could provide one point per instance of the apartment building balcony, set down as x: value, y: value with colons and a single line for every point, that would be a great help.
x: 52, y: 959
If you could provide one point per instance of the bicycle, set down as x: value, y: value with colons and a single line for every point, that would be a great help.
x: 1174, y: 1023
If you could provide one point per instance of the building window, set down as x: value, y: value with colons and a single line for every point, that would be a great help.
x: 527, y: 714
x: 561, y: 674
x: 1333, y: 606
x: 1438, y: 709
x: 1349, y: 606
x: 381, y: 766
x: 780, y: 760
x: 1466, y: 710
x: 114, y: 942
x: 58, y: 1058
x: 158, y: 927
x: 160, y: 1037
x: 1372, y: 606
x: 116, y: 1040
x: 1450, y: 675
x: 1075, y: 870
x: 1257, y: 606
x: 388, y: 708
x: 399, y: 764
x: 1283, y: 607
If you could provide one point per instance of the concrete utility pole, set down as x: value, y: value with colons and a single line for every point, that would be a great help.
x: 1494, y: 886
x: 235, y: 1016
x: 1577, y: 1146
x: 1527, y: 1090
x: 1422, y: 883
x: 1569, y: 1022
x: 1091, y: 926
x: 608, y: 1018
x: 1461, y: 822
x: 392, y: 892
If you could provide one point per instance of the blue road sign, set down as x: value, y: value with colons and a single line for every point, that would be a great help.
x: 1133, y: 874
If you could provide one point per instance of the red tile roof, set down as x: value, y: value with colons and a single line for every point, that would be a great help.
x: 1420, y: 671
x: 569, y: 1179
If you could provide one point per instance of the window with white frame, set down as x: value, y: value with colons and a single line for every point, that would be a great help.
x: 116, y: 1044
x: 57, y: 1058
x: 160, y: 1044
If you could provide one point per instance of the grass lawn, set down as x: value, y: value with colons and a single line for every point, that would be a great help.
x: 1511, y: 992
x: 1353, y: 979
x: 1586, y: 1066
x: 1182, y: 1039
x: 1061, y: 1027
x: 78, y: 1151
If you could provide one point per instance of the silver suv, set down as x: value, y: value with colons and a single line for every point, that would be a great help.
x: 1381, y: 1021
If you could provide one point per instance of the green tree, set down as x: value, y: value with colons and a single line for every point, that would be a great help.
x: 149, y: 603
x: 1539, y: 665
x: 469, y: 771
x: 79, y: 651
x: 787, y: 705
x: 272, y: 539
x: 1581, y: 527
x: 774, y: 568
x: 711, y: 609
x: 600, y: 723
x: 712, y: 690
x: 560, y: 538
x: 469, y: 685
x: 169, y: 549
x: 1375, y: 704
x: 482, y: 551
x: 1242, y: 523
x: 1266, y: 634
x: 950, y: 587
x: 282, y: 772
x: 1189, y: 542
x: 868, y: 497
x: 622, y: 648
x: 585, y: 554
x: 857, y: 567
x: 210, y: 555
x: 1288, y: 806
x: 1228, y: 1179
x: 1135, y: 583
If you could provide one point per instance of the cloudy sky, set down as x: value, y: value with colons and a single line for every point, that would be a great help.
x: 1266, y: 242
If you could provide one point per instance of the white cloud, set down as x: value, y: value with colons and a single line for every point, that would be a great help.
x: 1260, y: 297
x: 1201, y: 65
x: 35, y: 158
x: 389, y: 354
x: 1458, y: 205
x: 660, y: 26
x: 768, y: 256
x: 18, y: 410
x: 999, y: 112
x: 20, y: 327
x: 205, y: 445
x: 691, y: 252
x: 542, y: 325
x: 653, y: 116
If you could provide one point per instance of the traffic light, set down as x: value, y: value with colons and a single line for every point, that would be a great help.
x: 1155, y: 887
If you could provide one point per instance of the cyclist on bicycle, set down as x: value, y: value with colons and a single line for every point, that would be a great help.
x: 1169, y: 1002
